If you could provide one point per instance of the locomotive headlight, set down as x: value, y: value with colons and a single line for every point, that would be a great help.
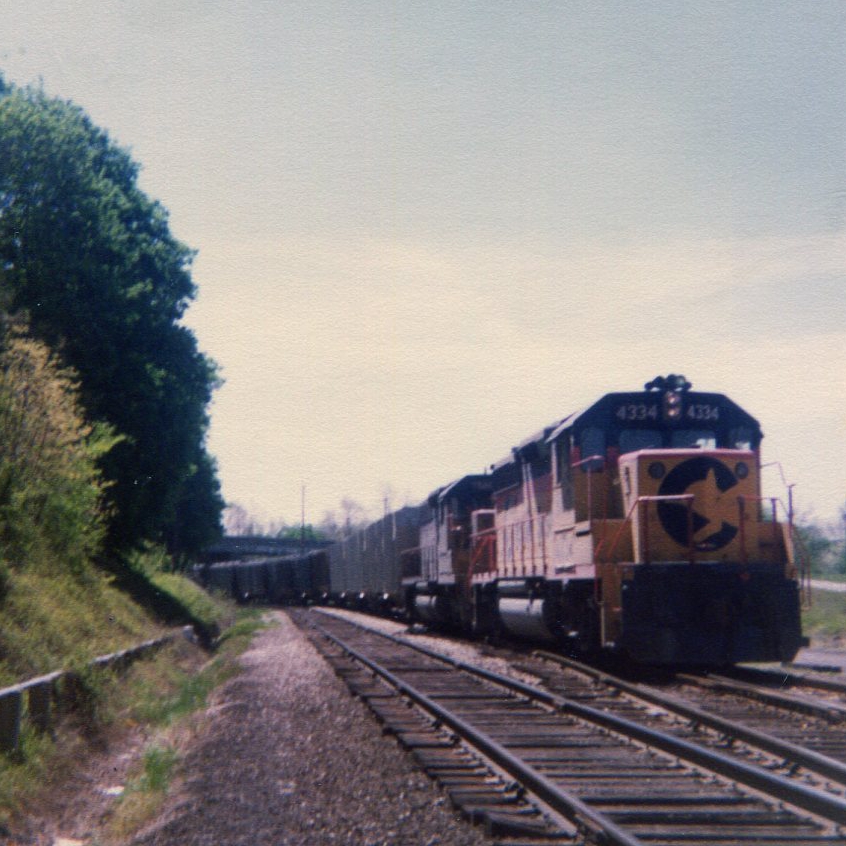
x: 672, y: 405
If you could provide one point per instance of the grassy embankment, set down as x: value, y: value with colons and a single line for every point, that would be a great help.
x: 58, y: 609
x: 171, y: 721
x: 61, y: 620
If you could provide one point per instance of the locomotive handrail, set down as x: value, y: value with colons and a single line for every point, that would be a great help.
x: 804, y: 558
x: 687, y: 498
x: 742, y: 499
x: 537, y: 550
x: 792, y: 532
x: 795, y: 538
x: 481, y: 543
x: 788, y: 485
x: 588, y: 459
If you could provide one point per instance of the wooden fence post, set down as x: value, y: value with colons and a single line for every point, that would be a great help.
x: 10, y: 718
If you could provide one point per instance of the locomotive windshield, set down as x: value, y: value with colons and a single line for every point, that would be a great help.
x: 631, y: 440
x: 652, y: 420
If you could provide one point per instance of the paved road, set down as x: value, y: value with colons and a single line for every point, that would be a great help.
x: 833, y: 587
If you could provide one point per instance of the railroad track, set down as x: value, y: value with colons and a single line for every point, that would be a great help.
x: 786, y: 685
x: 538, y: 764
x: 799, y: 738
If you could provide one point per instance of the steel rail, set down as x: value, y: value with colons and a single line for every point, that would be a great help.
x: 820, y: 764
x: 791, y: 678
x: 824, y: 805
x: 559, y: 800
x: 826, y: 710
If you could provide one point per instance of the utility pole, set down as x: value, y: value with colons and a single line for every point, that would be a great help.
x: 302, y: 521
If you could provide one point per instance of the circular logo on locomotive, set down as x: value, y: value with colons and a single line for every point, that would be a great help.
x: 714, y: 512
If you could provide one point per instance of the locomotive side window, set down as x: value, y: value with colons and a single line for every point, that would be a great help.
x: 540, y: 471
x: 741, y: 438
x: 592, y: 443
x: 564, y: 472
x: 701, y: 438
x: 508, y: 498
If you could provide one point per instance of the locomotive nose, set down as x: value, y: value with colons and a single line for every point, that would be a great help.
x: 693, y: 508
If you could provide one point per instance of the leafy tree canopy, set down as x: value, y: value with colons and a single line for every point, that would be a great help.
x: 92, y: 262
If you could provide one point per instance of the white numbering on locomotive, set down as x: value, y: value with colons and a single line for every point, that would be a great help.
x: 637, y: 411
x: 702, y: 411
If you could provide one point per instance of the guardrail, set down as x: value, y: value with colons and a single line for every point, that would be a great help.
x: 35, y: 699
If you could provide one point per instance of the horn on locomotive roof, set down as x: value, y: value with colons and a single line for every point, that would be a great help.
x: 673, y: 382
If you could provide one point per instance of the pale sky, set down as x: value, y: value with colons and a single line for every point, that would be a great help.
x: 428, y: 229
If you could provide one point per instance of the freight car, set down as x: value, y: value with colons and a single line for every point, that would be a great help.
x: 365, y: 568
x: 281, y: 580
x: 636, y: 526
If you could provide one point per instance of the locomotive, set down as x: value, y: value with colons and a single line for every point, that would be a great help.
x: 635, y: 526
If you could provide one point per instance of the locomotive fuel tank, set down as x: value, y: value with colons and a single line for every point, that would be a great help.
x: 432, y: 608
x: 524, y: 614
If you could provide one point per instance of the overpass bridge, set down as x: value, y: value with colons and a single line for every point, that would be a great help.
x: 244, y: 547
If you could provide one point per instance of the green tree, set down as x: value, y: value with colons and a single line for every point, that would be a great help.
x: 92, y: 262
x: 307, y: 533
x: 199, y: 508
x: 817, y: 546
x: 50, y: 486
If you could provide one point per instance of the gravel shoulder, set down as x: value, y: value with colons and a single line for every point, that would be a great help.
x: 286, y: 756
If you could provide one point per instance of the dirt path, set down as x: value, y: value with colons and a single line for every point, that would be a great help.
x: 288, y: 757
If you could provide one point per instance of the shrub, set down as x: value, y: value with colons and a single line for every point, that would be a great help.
x: 50, y: 486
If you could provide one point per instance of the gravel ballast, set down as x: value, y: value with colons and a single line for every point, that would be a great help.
x: 287, y: 756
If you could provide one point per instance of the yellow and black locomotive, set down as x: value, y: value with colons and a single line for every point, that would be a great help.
x: 636, y: 525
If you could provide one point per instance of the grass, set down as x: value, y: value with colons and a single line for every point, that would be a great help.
x: 51, y: 621
x: 55, y: 620
x: 158, y: 764
x: 167, y: 697
x: 22, y: 774
x: 161, y: 695
x: 825, y: 619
